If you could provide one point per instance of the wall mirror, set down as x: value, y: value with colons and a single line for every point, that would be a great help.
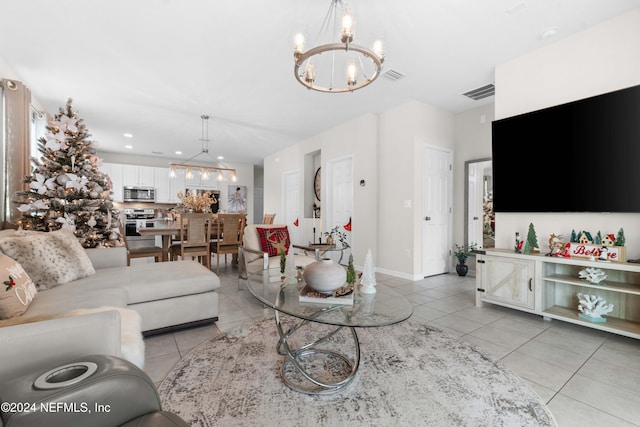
x: 480, y: 225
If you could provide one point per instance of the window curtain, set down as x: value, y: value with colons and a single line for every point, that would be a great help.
x: 16, y: 110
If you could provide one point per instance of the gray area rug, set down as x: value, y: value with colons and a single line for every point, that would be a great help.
x: 410, y: 375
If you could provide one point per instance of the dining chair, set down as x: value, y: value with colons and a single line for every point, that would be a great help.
x: 230, y: 234
x: 140, y: 251
x: 268, y: 218
x: 195, y: 237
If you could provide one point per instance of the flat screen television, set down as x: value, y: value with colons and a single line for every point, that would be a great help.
x: 582, y: 156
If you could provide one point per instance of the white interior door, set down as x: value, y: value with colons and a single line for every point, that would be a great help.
x: 436, y: 210
x: 291, y: 204
x: 338, y: 208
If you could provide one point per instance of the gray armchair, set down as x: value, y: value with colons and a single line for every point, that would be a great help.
x: 97, y: 391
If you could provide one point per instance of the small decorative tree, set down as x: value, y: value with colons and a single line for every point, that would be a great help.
x: 620, y: 240
x: 532, y: 240
x: 368, y: 279
x: 351, y: 272
x: 574, y: 236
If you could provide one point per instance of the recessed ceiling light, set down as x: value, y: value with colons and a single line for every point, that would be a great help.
x: 129, y: 147
x: 220, y: 157
x: 517, y: 8
x: 178, y: 152
x: 549, y: 33
x: 128, y: 135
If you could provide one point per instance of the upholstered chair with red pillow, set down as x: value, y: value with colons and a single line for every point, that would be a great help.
x: 261, y: 248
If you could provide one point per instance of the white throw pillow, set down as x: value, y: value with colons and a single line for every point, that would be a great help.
x: 50, y: 258
x: 17, y: 290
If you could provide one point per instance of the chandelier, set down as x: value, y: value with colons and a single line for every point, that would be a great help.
x: 190, y: 170
x: 361, y: 65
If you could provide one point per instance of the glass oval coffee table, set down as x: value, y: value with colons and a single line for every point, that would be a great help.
x: 319, y: 365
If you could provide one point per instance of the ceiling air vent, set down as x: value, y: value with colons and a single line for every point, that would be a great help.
x: 393, y: 75
x: 481, y: 92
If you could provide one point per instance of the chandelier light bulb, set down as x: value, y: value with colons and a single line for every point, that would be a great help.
x: 205, y: 174
x: 352, y: 72
x: 298, y: 44
x: 310, y: 74
x: 234, y: 178
x: 220, y: 176
x: 189, y: 174
x: 378, y: 49
x: 172, y: 173
x: 347, y: 29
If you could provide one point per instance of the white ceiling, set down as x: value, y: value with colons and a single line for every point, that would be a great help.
x: 153, y: 67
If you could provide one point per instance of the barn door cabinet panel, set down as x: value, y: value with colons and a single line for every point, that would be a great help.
x: 507, y: 281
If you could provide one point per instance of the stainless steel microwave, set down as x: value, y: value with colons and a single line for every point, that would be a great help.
x: 139, y: 194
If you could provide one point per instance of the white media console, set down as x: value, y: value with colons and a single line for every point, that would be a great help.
x: 547, y: 286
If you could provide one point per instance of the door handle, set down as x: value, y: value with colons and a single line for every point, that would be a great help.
x: 427, y: 218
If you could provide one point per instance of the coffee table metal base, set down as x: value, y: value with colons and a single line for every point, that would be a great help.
x: 298, y: 370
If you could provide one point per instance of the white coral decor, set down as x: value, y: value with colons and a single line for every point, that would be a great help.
x: 593, y: 275
x: 593, y: 306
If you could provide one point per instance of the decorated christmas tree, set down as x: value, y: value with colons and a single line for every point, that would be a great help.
x: 66, y: 189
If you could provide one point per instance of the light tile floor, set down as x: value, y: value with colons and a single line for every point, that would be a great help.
x: 587, y: 377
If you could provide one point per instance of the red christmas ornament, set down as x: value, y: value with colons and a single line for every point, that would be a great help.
x: 347, y: 226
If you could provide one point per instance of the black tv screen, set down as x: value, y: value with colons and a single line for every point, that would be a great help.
x: 583, y: 156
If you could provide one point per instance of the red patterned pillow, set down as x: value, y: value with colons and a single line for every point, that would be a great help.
x: 274, y: 239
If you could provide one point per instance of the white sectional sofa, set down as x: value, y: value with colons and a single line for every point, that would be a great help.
x: 108, y: 312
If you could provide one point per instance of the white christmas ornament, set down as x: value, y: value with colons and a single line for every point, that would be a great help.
x: 368, y: 280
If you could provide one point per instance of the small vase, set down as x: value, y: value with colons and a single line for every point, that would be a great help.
x: 324, y: 275
x: 462, y: 269
x: 330, y: 240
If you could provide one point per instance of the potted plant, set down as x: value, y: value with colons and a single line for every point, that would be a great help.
x: 334, y: 233
x: 462, y: 253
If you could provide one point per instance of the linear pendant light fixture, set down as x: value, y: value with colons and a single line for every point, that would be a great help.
x: 190, y: 170
x: 360, y: 65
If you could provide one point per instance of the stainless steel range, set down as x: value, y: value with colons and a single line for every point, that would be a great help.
x: 136, y: 218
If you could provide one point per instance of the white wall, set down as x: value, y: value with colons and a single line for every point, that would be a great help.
x: 386, y: 153
x: 403, y: 132
x: 357, y: 138
x: 600, y: 59
x: 473, y: 141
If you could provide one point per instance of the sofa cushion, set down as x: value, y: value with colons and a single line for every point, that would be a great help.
x: 273, y: 240
x: 50, y: 258
x: 63, y: 299
x: 158, y: 281
x: 17, y: 290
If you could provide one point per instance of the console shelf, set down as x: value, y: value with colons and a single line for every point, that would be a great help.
x: 552, y: 285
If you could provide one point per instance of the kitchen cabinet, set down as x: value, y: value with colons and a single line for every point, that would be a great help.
x: 138, y: 176
x: 162, y: 179
x: 114, y: 171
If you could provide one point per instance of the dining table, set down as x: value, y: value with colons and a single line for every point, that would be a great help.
x: 167, y: 229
